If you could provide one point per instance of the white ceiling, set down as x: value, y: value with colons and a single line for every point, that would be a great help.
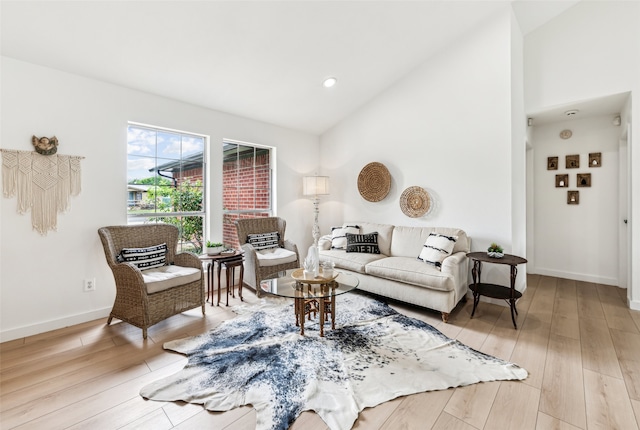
x: 611, y: 105
x: 263, y: 60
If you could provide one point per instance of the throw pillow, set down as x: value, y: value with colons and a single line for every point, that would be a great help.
x: 145, y: 258
x: 366, y: 243
x: 437, y: 248
x: 264, y: 240
x: 339, y: 235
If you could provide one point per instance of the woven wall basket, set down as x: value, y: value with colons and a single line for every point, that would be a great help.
x: 374, y: 182
x: 415, y: 202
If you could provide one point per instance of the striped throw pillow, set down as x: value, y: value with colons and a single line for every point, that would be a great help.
x: 365, y: 243
x: 339, y: 235
x: 145, y: 258
x: 437, y: 248
x: 264, y: 240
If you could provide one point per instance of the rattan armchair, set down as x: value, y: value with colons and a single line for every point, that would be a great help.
x: 135, y: 302
x: 254, y: 270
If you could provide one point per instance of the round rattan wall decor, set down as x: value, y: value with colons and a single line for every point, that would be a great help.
x: 415, y: 202
x: 374, y: 182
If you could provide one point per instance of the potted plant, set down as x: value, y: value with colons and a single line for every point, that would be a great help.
x: 213, y: 248
x: 495, y: 251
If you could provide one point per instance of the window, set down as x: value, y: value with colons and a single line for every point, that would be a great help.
x: 246, y: 185
x: 165, y: 181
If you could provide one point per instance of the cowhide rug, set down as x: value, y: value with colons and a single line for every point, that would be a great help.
x: 374, y: 355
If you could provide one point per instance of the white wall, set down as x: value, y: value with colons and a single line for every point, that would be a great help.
x: 446, y: 127
x: 41, y: 276
x: 577, y: 241
x: 590, y: 51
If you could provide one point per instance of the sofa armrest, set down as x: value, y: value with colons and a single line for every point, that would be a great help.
x: 324, y: 243
x: 457, y: 265
x: 451, y: 264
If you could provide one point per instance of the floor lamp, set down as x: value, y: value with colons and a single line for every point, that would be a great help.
x: 315, y: 186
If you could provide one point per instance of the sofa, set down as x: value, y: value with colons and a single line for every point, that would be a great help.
x: 396, y: 272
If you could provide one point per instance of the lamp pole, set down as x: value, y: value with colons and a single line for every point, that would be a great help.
x: 316, y: 228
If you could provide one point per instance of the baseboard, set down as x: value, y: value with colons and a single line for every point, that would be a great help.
x: 574, y: 276
x: 634, y: 305
x: 43, y: 327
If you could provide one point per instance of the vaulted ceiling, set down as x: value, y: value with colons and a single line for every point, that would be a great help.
x: 264, y: 60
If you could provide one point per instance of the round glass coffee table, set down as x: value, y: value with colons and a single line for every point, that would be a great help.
x: 311, y: 296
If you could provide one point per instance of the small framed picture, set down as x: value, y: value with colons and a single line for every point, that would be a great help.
x: 573, y: 161
x: 573, y: 197
x: 584, y: 179
x: 552, y: 163
x: 595, y: 159
x: 562, y: 181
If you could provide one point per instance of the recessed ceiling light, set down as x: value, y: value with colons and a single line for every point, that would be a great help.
x: 329, y: 82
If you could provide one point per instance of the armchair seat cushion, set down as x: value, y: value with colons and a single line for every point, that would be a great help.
x: 165, y: 277
x: 275, y: 257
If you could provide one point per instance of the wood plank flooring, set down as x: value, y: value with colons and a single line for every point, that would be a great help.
x: 578, y: 340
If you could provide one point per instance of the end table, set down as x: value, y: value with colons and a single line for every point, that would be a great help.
x: 509, y: 294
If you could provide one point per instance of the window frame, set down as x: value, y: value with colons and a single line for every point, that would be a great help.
x: 148, y: 217
x: 230, y: 215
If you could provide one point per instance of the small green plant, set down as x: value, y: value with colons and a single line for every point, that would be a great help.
x: 494, y: 247
x: 213, y: 244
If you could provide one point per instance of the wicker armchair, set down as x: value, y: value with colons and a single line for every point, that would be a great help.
x: 144, y: 297
x: 257, y: 268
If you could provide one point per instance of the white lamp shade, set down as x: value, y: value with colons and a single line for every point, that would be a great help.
x: 315, y: 185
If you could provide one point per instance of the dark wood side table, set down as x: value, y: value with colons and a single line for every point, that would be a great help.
x: 509, y: 294
x: 221, y: 260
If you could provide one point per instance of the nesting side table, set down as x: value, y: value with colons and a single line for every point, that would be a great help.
x: 229, y: 261
x: 509, y: 294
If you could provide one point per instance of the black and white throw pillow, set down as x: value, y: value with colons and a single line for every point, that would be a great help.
x: 437, y: 248
x: 365, y: 243
x: 264, y: 240
x: 339, y: 235
x: 145, y: 258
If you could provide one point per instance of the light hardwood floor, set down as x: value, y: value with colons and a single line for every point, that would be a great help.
x: 579, y: 342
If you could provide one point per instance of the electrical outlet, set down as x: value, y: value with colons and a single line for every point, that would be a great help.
x: 89, y: 285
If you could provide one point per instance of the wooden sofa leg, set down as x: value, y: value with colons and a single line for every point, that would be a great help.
x: 445, y: 317
x: 144, y: 333
x: 109, y: 320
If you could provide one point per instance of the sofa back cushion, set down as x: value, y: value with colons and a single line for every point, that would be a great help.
x: 409, y: 241
x: 385, y: 232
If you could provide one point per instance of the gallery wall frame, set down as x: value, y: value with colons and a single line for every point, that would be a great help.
x: 562, y: 181
x: 584, y: 179
x: 572, y: 161
x: 552, y: 163
x: 573, y: 197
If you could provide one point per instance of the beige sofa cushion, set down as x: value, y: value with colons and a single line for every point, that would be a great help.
x: 385, y: 233
x: 411, y: 271
x: 408, y: 241
x: 165, y: 277
x: 354, y: 261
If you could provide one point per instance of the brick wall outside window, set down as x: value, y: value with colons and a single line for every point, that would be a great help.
x: 246, y: 186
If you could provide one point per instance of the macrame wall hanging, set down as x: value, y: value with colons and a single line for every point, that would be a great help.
x: 42, y: 180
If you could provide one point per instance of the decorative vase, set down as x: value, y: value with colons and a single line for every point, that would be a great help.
x: 314, y: 259
x: 494, y: 254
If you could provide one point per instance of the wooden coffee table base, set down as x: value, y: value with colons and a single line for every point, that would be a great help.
x: 322, y: 306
